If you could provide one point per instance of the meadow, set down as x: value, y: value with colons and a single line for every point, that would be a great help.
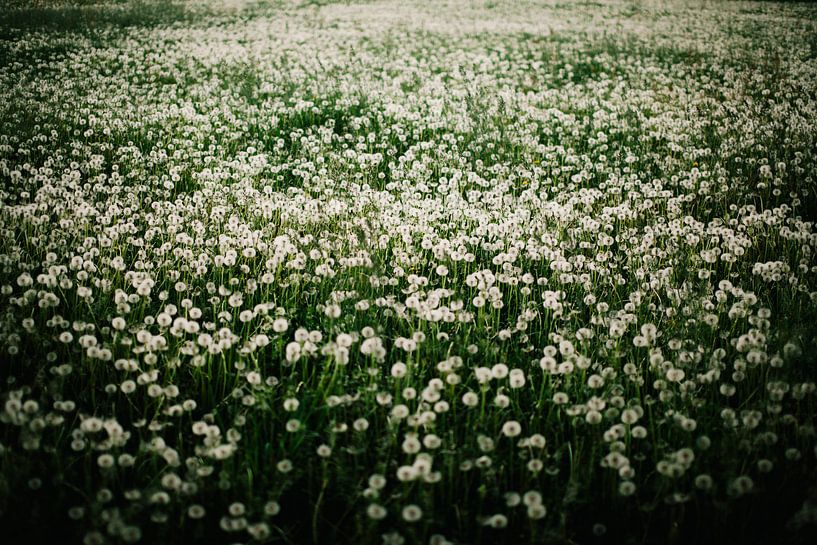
x: 408, y: 272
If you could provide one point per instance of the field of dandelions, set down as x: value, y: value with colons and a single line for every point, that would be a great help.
x: 408, y: 272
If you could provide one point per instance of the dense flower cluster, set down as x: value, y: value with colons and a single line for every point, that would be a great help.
x: 405, y: 272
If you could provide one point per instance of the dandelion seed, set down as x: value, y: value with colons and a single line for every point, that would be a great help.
x: 412, y: 513
x: 511, y: 428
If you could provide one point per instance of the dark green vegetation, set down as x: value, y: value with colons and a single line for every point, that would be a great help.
x: 314, y: 272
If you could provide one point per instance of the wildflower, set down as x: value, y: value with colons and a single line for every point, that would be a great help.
x: 376, y: 512
x: 511, y: 428
x: 412, y: 513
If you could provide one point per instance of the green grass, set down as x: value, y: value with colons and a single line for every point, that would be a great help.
x: 616, y: 201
